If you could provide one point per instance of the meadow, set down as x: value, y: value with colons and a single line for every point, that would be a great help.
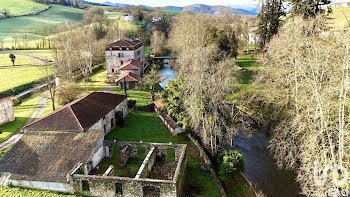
x: 15, y: 76
x: 339, y: 18
x: 20, y: 60
x: 42, y: 52
x: 22, y: 7
x: 55, y: 15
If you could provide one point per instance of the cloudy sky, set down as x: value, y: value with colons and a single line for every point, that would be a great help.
x: 156, y: 3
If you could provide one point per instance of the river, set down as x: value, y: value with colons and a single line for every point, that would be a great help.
x: 260, y: 167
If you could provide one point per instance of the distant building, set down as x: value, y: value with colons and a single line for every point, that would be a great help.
x: 156, y: 19
x: 125, y: 59
x: 6, y: 109
x: 126, y: 17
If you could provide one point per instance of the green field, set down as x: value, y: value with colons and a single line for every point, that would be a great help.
x: 20, y: 192
x: 15, y: 76
x: 339, y: 18
x: 55, y: 15
x: 171, y: 12
x: 22, y: 114
x: 44, y: 53
x: 20, y: 60
x: 21, y: 7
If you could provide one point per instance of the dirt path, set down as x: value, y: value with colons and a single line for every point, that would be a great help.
x: 36, y: 115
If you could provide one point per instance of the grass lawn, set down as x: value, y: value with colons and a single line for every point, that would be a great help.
x: 55, y: 15
x: 339, y: 18
x: 44, y: 53
x: 237, y: 186
x: 22, y: 7
x: 21, y: 192
x: 20, y: 60
x: 22, y: 114
x: 147, y: 50
x: 15, y: 76
x: 113, y: 15
x: 147, y: 127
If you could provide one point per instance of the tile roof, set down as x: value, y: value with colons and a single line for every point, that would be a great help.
x: 159, y: 103
x: 49, y: 156
x: 78, y: 115
x: 4, y: 96
x: 131, y: 44
x: 131, y: 65
x: 129, y: 77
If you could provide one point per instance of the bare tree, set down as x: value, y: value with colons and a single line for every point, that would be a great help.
x: 306, y: 77
x: 51, y: 86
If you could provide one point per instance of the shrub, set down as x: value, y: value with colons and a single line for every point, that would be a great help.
x: 131, y: 104
x: 230, y: 162
x: 16, y: 101
x: 67, y: 92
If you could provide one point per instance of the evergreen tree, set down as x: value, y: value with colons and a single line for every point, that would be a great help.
x: 269, y: 20
x: 308, y: 8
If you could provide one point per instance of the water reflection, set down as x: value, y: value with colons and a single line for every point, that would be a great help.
x: 166, y: 72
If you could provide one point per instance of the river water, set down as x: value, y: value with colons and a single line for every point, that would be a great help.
x: 260, y: 167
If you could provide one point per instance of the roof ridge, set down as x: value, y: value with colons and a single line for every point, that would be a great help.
x: 76, y: 118
x: 56, y: 111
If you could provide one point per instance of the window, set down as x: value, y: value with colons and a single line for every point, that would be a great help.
x: 112, y: 123
x: 85, y: 185
x: 120, y: 55
x: 121, y: 62
x: 118, y: 188
x: 112, y: 70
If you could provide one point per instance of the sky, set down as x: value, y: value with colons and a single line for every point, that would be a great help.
x: 159, y: 3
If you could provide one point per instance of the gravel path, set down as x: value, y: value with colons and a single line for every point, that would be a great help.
x: 39, y: 110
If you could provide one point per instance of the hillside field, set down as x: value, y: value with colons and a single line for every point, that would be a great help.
x: 21, y: 7
x: 20, y: 60
x: 55, y: 15
x: 339, y: 18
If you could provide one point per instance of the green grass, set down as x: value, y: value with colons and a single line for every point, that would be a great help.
x: 15, y: 76
x: 144, y: 126
x: 44, y: 53
x: 237, y: 186
x: 171, y: 12
x: 55, y: 15
x: 97, y: 82
x: 113, y: 15
x: 20, y: 60
x: 22, y: 114
x: 21, y: 192
x: 147, y: 50
x: 22, y: 7
x: 339, y: 18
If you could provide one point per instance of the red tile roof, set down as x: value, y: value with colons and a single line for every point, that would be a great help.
x: 131, y: 65
x: 129, y: 77
x: 80, y: 114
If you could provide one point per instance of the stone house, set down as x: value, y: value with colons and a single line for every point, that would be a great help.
x: 6, y: 109
x: 126, y: 17
x: 42, y: 159
x: 122, y: 51
x: 97, y: 111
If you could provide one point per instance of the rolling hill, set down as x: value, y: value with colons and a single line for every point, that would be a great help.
x: 21, y: 7
x: 55, y: 15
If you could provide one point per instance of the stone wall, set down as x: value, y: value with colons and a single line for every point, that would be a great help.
x: 6, y: 110
x: 106, y: 121
x: 140, y: 185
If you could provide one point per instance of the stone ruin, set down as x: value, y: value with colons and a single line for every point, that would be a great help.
x: 156, y: 177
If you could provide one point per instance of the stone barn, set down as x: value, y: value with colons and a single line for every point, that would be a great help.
x: 97, y: 110
x: 42, y: 159
x: 6, y: 109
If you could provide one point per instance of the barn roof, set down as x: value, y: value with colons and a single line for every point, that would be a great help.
x: 48, y: 156
x: 124, y: 45
x: 129, y: 77
x: 78, y: 115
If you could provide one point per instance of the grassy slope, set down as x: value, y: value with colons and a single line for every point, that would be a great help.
x: 339, y: 18
x: 20, y: 192
x: 15, y: 76
x: 55, y: 15
x: 20, y: 60
x: 44, y: 53
x: 22, y: 114
x: 22, y: 7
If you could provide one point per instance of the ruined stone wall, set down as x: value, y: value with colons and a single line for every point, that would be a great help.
x: 6, y: 110
x: 147, y: 164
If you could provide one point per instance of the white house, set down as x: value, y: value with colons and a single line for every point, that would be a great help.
x: 156, y: 19
x: 6, y: 109
x: 126, y: 17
